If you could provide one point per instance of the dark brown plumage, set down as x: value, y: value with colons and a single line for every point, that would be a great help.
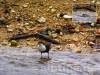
x: 44, y: 48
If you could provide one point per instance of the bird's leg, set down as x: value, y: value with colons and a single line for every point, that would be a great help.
x: 48, y: 55
x: 41, y: 54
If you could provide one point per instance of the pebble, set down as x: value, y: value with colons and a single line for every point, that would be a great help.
x: 67, y: 17
x: 53, y: 10
x: 74, y: 0
x: 9, y: 29
x: 2, y: 21
x: 26, y: 23
x: 25, y: 5
x: 41, y: 20
x: 34, y: 15
x: 64, y: 15
x: 50, y: 7
x: 13, y: 11
x: 93, y: 1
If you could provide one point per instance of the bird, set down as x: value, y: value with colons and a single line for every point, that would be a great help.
x: 44, y: 48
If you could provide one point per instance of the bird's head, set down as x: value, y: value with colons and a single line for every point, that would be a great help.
x: 40, y: 43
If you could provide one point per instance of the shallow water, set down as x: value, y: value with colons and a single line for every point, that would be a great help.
x: 26, y: 61
x: 77, y: 16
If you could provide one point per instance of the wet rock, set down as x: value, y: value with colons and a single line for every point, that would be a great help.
x: 64, y: 15
x: 3, y: 22
x: 13, y: 43
x: 67, y: 17
x: 41, y: 20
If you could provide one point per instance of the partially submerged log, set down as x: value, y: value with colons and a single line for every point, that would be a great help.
x: 37, y: 35
x: 21, y: 36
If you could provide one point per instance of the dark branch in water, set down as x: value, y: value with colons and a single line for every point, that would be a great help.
x: 37, y: 35
x: 21, y: 36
